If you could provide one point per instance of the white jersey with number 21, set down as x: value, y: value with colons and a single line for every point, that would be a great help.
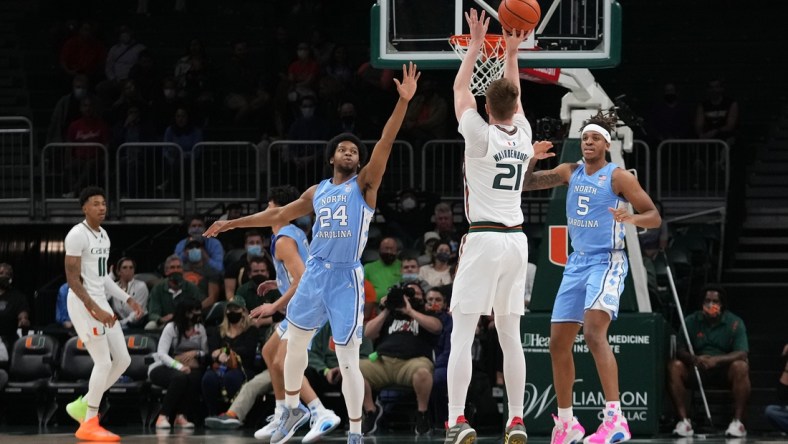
x: 496, y: 158
x: 93, y: 248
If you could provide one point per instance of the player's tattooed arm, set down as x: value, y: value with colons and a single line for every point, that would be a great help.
x: 73, y: 267
x: 542, y: 180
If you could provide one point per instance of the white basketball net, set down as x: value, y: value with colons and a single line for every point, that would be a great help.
x: 490, y: 63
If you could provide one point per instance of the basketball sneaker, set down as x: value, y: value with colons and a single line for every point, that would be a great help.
x: 736, y: 429
x: 77, y: 409
x: 567, y: 432
x: 291, y: 420
x: 460, y: 433
x: 355, y: 438
x: 321, y: 425
x: 613, y: 429
x: 683, y: 428
x: 267, y: 431
x: 515, y: 433
x: 91, y: 430
x: 182, y: 422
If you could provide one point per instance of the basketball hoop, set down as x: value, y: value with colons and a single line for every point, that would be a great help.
x: 489, y: 66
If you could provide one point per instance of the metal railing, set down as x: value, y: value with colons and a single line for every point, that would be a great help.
x: 640, y: 160
x: 150, y: 175
x: 17, y: 190
x: 300, y: 163
x: 66, y: 168
x: 400, y: 169
x: 225, y: 172
x: 441, y: 167
x: 690, y: 169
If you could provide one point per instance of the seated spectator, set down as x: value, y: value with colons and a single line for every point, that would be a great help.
x: 438, y: 272
x: 197, y: 271
x: 349, y: 121
x: 184, y: 64
x: 129, y: 98
x: 13, y: 308
x: 409, y: 270
x: 122, y: 56
x: 427, y: 115
x: 178, y: 365
x: 719, y: 340
x: 238, y: 79
x: 233, y: 348
x: 125, y: 269
x: 430, y: 239
x: 445, y: 227
x: 132, y: 128
x: 183, y: 132
x: 165, y: 294
x: 83, y: 164
x: 147, y: 77
x: 83, y: 53
x: 778, y: 413
x: 165, y: 105
x: 671, y: 118
x: 407, y: 216
x: 404, y: 336
x: 338, y: 68
x: 68, y: 109
x: 386, y: 271
x: 198, y: 89
x: 211, y: 245
x: 717, y: 117
x: 62, y: 317
x: 302, y: 74
x: 259, y: 271
x: 237, y: 272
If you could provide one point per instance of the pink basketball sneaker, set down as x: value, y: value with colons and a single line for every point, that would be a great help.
x: 614, y: 429
x: 567, y: 432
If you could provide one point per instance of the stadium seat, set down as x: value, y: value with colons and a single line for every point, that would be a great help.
x: 133, y: 387
x: 32, y: 366
x: 71, y: 379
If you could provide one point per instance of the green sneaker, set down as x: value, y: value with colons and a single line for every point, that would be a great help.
x: 77, y: 409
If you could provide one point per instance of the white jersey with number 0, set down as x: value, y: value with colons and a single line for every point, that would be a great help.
x: 93, y: 248
x: 496, y: 158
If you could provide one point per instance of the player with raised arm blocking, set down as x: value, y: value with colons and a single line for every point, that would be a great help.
x: 496, y: 157
x: 332, y: 287
x: 89, y: 283
x: 596, y: 211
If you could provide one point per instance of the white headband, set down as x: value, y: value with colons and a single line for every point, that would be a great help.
x: 597, y: 128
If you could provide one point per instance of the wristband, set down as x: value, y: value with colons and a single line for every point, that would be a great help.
x: 176, y: 365
x: 327, y: 370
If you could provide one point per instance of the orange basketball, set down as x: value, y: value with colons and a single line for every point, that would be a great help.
x: 522, y: 15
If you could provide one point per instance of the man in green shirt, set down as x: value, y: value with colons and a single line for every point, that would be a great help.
x: 719, y: 340
x: 165, y: 294
x: 384, y: 273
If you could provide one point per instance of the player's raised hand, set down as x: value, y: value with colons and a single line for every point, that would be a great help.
x: 478, y: 25
x: 410, y: 76
x: 217, y: 227
x: 542, y: 149
x: 513, y: 40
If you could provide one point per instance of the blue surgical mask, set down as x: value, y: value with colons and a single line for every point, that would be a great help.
x: 195, y: 254
x: 410, y: 277
x: 254, y: 250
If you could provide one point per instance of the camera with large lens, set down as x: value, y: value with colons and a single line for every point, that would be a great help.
x: 396, y: 297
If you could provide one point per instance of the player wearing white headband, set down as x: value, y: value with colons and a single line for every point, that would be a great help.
x: 596, y: 211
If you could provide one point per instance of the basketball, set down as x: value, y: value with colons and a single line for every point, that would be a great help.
x: 522, y: 15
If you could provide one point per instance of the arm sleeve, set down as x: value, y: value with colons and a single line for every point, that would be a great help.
x: 474, y: 129
x: 216, y: 253
x: 165, y: 343
x: 112, y: 289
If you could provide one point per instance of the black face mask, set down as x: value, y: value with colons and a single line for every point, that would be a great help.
x: 671, y: 98
x: 5, y: 283
x: 234, y: 317
x: 388, y: 258
x: 259, y: 279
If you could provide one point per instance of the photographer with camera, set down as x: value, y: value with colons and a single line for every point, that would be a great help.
x: 404, y: 334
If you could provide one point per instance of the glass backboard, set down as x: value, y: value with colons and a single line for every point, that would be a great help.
x: 570, y: 34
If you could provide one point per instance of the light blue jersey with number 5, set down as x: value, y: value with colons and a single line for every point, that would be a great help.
x: 342, y: 219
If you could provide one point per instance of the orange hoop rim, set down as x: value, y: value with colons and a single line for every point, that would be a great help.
x: 491, y: 41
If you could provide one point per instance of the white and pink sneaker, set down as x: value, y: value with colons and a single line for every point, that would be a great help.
x: 614, y: 429
x: 567, y: 432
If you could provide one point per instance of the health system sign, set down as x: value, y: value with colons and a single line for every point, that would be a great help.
x: 639, y: 343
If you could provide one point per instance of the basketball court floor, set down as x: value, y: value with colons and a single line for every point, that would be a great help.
x: 133, y: 435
